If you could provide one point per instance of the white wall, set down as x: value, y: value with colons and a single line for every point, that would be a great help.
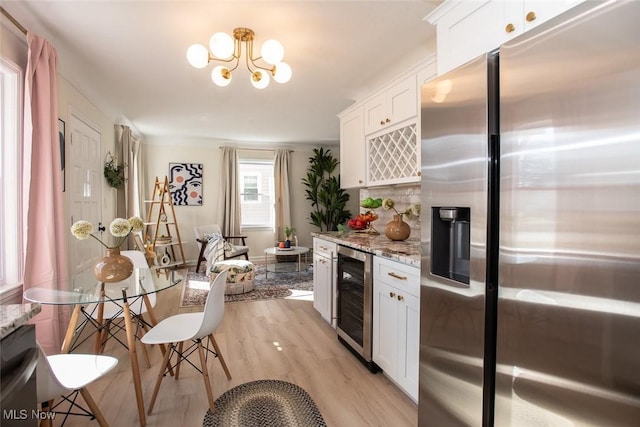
x: 160, y: 151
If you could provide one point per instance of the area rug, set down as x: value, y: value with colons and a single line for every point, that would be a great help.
x: 281, y: 284
x: 265, y: 403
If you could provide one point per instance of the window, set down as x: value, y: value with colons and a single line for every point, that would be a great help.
x: 250, y: 186
x: 10, y: 176
x: 257, y: 193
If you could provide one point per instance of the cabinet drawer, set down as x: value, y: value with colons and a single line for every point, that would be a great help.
x: 324, y: 247
x: 397, y: 274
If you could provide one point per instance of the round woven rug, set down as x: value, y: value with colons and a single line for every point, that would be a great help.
x: 264, y: 403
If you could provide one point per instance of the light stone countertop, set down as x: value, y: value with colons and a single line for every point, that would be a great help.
x: 12, y: 316
x: 407, y: 252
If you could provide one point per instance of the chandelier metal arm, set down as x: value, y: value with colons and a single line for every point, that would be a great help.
x: 251, y: 61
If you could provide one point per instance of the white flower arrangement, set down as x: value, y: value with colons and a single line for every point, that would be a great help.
x: 119, y: 228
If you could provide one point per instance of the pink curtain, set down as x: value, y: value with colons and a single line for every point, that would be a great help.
x: 46, y: 233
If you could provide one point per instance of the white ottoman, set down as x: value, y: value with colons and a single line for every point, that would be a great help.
x: 239, y: 277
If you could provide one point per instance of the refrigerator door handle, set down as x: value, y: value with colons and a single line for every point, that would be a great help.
x: 493, y: 212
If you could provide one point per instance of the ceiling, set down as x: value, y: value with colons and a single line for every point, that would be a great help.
x: 129, y: 59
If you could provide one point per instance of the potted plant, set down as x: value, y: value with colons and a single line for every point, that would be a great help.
x: 328, y: 200
x: 288, y: 231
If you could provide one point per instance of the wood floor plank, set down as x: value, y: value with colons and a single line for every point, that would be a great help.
x: 282, y: 339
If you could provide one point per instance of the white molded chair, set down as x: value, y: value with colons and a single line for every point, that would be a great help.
x: 66, y: 375
x: 114, y: 311
x: 231, y: 250
x: 177, y: 329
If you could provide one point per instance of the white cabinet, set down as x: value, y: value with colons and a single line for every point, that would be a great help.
x: 394, y: 157
x: 392, y: 106
x: 380, y: 136
x: 352, y: 148
x: 324, y: 279
x: 468, y: 29
x: 396, y: 322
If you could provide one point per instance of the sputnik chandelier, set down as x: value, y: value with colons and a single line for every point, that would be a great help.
x: 223, y: 47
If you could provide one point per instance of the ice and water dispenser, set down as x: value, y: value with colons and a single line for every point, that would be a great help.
x: 450, y: 243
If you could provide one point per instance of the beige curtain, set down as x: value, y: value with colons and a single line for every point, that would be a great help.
x: 283, y: 195
x: 229, y: 206
x: 46, y: 228
x: 129, y: 149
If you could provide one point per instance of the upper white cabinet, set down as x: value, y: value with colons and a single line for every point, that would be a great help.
x: 352, y: 148
x: 394, y: 157
x: 391, y: 106
x: 467, y: 29
x: 380, y: 136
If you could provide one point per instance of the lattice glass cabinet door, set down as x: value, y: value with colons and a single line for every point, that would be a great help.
x: 393, y: 157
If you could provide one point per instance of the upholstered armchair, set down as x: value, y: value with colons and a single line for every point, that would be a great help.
x: 234, y: 246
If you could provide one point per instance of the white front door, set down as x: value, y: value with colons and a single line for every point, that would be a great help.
x: 85, y: 171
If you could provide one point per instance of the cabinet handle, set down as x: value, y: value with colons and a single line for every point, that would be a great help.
x: 322, y: 261
x: 360, y: 181
x: 382, y: 122
x: 418, y: 173
x: 392, y: 295
x: 531, y: 16
x: 400, y: 298
x: 510, y: 28
x: 387, y: 120
x: 324, y: 248
x: 397, y: 276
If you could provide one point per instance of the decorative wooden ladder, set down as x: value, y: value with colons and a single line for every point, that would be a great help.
x: 161, y: 227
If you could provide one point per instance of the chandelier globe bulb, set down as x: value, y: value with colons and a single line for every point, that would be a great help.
x: 221, y: 76
x: 198, y: 56
x: 272, y: 51
x: 221, y: 45
x: 260, y: 79
x: 282, y: 73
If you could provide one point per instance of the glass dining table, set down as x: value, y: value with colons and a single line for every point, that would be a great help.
x: 101, y: 303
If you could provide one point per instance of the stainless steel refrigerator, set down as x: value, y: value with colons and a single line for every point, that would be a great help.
x: 530, y: 287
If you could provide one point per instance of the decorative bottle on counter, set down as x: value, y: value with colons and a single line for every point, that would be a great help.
x: 397, y: 229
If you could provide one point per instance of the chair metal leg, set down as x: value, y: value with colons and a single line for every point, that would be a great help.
x: 219, y: 353
x: 205, y: 376
x: 163, y: 368
x: 94, y: 408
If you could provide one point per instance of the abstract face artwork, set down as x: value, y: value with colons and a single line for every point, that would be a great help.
x: 185, y: 183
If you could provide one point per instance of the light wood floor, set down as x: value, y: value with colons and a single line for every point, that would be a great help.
x: 282, y: 339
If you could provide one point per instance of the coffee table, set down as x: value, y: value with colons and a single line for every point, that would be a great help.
x: 273, y: 251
